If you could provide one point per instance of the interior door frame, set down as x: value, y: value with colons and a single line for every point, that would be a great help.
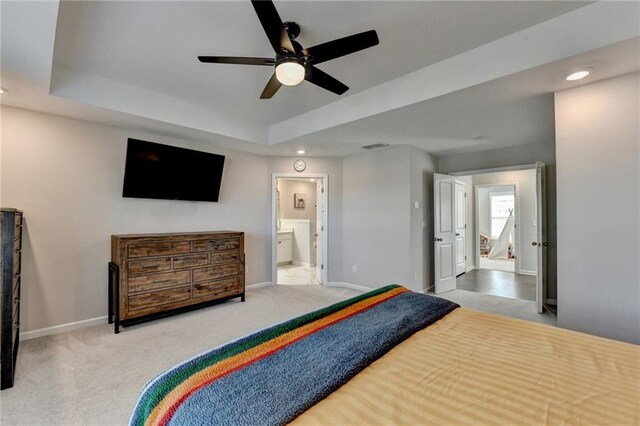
x: 538, y: 167
x: 516, y: 218
x: 274, y: 222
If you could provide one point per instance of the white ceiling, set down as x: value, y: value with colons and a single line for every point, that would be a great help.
x: 154, y: 45
x: 444, y: 72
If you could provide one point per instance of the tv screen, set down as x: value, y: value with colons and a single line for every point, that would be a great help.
x: 153, y: 170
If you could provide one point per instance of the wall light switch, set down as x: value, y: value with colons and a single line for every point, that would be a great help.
x: 416, y: 204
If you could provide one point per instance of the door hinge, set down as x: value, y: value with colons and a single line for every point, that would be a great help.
x: 321, y: 267
x: 465, y: 226
x: 465, y: 195
x: 465, y: 258
x: 322, y: 190
x: 322, y: 228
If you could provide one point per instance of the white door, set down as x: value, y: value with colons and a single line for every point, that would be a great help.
x: 460, y: 226
x: 319, y: 231
x: 541, y: 236
x: 444, y: 233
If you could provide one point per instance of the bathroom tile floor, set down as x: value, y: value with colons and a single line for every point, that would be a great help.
x: 297, y: 275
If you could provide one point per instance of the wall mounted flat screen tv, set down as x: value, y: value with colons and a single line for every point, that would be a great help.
x: 153, y: 170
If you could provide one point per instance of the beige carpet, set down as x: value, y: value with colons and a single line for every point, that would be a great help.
x: 94, y: 377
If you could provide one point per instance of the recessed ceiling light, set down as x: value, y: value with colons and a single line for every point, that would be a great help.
x: 3, y: 90
x: 577, y: 75
x: 301, y: 151
x: 313, y: 180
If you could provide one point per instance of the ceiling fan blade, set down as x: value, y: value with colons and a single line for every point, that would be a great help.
x: 273, y: 25
x: 236, y: 60
x: 271, y: 88
x: 324, y: 80
x: 341, y: 47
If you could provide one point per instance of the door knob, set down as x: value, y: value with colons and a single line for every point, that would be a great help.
x: 534, y: 243
x: 437, y: 239
x: 457, y: 234
x: 545, y: 244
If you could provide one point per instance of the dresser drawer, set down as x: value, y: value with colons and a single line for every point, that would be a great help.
x: 225, y: 257
x: 151, y: 275
x: 182, y: 262
x: 149, y: 300
x: 217, y: 244
x: 215, y: 289
x: 146, y: 266
x: 159, y: 248
x: 158, y: 281
x: 216, y: 272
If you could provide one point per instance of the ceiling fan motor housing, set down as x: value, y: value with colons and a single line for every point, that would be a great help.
x: 292, y: 29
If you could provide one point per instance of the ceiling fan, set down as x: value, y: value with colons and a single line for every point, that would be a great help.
x: 294, y: 63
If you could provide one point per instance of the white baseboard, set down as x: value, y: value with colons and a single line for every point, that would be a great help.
x: 259, y: 285
x: 62, y: 328
x: 349, y: 285
x: 470, y: 268
x: 306, y: 265
x: 525, y: 272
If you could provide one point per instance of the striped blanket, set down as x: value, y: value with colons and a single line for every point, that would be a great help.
x: 274, y: 375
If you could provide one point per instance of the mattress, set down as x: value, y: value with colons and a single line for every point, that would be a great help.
x: 476, y: 368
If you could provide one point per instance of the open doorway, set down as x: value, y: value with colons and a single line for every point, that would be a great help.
x: 503, y: 229
x: 495, y: 216
x: 299, y: 229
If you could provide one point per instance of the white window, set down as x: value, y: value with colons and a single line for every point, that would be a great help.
x: 500, y: 206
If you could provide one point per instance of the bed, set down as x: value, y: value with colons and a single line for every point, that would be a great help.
x: 392, y: 356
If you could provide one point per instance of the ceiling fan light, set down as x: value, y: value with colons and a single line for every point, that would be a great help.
x: 290, y: 72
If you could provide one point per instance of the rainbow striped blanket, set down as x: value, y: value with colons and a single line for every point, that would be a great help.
x: 274, y: 375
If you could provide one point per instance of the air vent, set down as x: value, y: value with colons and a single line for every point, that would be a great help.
x: 376, y: 146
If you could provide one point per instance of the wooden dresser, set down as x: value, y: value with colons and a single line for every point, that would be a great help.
x: 10, y: 265
x: 155, y: 275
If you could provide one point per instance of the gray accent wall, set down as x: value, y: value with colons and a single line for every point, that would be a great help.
x: 66, y: 175
x: 384, y: 238
x: 598, y: 153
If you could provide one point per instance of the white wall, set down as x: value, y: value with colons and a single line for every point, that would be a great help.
x: 67, y: 177
x: 598, y: 157
x: 518, y: 155
x: 332, y: 167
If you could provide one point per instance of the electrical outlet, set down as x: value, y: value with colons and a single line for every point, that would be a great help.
x: 354, y: 268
